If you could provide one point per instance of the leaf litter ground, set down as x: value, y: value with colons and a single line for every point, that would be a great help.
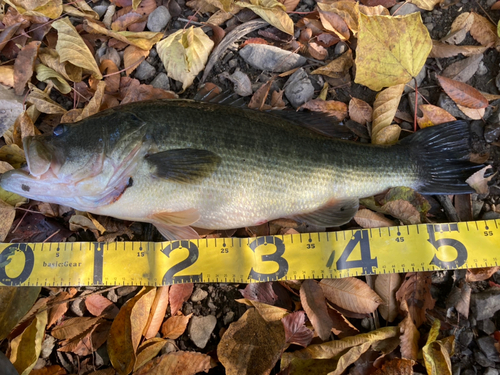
x: 430, y: 317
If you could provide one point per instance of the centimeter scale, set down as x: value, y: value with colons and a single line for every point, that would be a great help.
x: 410, y: 248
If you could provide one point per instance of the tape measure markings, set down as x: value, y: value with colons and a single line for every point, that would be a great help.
x: 423, y: 247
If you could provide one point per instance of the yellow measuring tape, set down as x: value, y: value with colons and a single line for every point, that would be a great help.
x: 410, y: 248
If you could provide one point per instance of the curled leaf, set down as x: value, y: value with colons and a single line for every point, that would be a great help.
x: 271, y: 11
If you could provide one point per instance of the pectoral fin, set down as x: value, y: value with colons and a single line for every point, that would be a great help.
x: 175, y: 225
x: 334, y: 214
x: 184, y: 165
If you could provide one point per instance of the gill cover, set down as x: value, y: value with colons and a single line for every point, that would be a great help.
x: 38, y: 156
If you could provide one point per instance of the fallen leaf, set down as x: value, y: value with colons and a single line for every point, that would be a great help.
x: 351, y: 294
x: 426, y: 4
x: 332, y: 108
x: 89, y: 341
x: 50, y: 57
x: 7, y: 75
x: 338, y: 68
x: 15, y: 302
x: 349, y: 357
x: 73, y: 327
x: 415, y: 290
x: 369, y: 219
x: 258, y: 100
x: 347, y: 10
x: 295, y: 330
x: 261, y: 292
x: 94, y: 104
x: 386, y: 286
x: 148, y: 350
x: 38, y: 8
x: 178, y: 363
x: 463, y: 303
x: 59, y: 308
x: 481, y: 274
x: 360, y: 111
x: 24, y: 66
x: 479, y: 182
x: 184, y: 54
x: 443, y: 50
x: 178, y: 294
x: 433, y: 115
x: 377, y: 10
x: 391, y: 50
x: 71, y: 47
x: 463, y: 70
x: 382, y: 3
x: 158, y: 311
x: 459, y: 28
x: 175, y: 326
x: 384, y: 108
x: 80, y: 9
x: 314, y: 304
x: 342, y: 327
x: 25, y: 348
x: 132, y: 91
x: 462, y: 94
x: 98, y: 305
x: 46, y: 74
x: 472, y: 113
x: 436, y: 356
x: 271, y: 11
x: 251, y: 345
x: 43, y: 102
x: 333, y: 22
x: 484, y: 31
x: 269, y: 312
x: 396, y: 366
x: 49, y: 370
x: 402, y: 210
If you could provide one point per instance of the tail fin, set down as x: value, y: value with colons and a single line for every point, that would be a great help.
x: 443, y: 152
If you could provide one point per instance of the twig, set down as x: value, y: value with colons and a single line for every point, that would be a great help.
x: 449, y: 210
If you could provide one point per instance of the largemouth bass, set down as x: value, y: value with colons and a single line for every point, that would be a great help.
x: 180, y: 164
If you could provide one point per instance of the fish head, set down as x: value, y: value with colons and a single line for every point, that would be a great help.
x: 83, y: 165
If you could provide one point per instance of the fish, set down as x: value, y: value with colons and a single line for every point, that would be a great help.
x: 181, y: 164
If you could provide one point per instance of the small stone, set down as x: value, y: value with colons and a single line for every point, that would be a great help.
x: 101, y: 9
x: 265, y: 57
x: 411, y: 85
x: 161, y: 82
x: 487, y: 346
x: 169, y: 347
x: 211, y: 306
x: 125, y: 290
x: 78, y: 307
x: 40, y: 363
x: 485, y: 304
x: 487, y: 326
x: 492, y: 132
x: 228, y: 318
x: 242, y: 84
x: 490, y: 371
x: 158, y: 19
x: 310, y: 3
x: 430, y: 26
x: 112, y: 296
x: 47, y: 346
x: 411, y: 100
x: 489, y: 3
x: 299, y: 88
x: 111, y: 54
x: 406, y: 8
x: 445, y: 102
x: 482, y: 360
x: 200, y: 329
x: 466, y: 337
x: 491, y: 215
x: 482, y: 69
x: 199, y: 295
x: 233, y: 63
x: 145, y: 71
x: 340, y: 48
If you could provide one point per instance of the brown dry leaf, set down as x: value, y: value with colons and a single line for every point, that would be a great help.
x: 94, y: 104
x: 443, y: 50
x: 332, y: 108
x: 360, y: 111
x: 179, y: 293
x: 15, y: 302
x: 481, y: 274
x: 338, y: 68
x: 409, y: 337
x: 333, y: 22
x: 269, y: 312
x: 479, y: 182
x: 396, y: 366
x: 59, y: 309
x: 46, y: 74
x: 384, y: 108
x: 459, y: 28
x: 402, y: 210
x: 472, y: 113
x: 49, y: 370
x: 290, y: 5
x: 351, y: 294
x: 126, y: 20
x: 158, y: 311
x: 24, y: 66
x: 386, y: 287
x: 25, y: 348
x: 348, y: 10
x: 73, y: 327
x: 462, y: 94
x: 377, y: 10
x: 317, y: 51
x: 463, y: 304
x: 98, y: 305
x: 251, y: 345
x: 384, y: 3
x: 433, y: 115
x: 126, y: 330
x: 314, y: 303
x: 295, y: 330
x: 7, y: 75
x: 50, y: 57
x: 148, y: 350
x: 184, y: 54
x: 426, y: 4
x: 271, y: 11
x: 111, y: 76
x: 80, y: 9
x: 415, y: 290
x: 261, y: 292
x: 484, y: 31
x: 369, y: 219
x: 175, y: 326
x: 89, y: 341
x: 132, y: 91
x: 132, y: 57
x: 258, y: 100
x: 342, y: 327
x: 178, y: 363
x: 71, y: 47
x: 37, y: 8
x: 43, y: 102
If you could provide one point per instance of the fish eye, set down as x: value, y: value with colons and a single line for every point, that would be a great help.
x: 59, y: 129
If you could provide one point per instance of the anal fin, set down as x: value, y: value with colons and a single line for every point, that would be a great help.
x: 333, y: 214
x: 176, y: 225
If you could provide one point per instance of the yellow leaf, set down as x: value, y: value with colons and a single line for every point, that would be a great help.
x: 426, y: 4
x: 387, y: 136
x: 338, y: 68
x: 42, y: 101
x: 436, y: 356
x: 39, y: 8
x: 386, y: 286
x: 384, y: 108
x: 351, y: 356
x: 50, y: 57
x: 144, y: 40
x: 72, y: 48
x: 433, y: 115
x: 132, y: 57
x: 271, y: 11
x: 148, y: 350
x: 391, y: 50
x: 7, y: 215
x: 94, y: 104
x: 15, y: 302
x: 348, y: 10
x: 378, y: 10
x: 13, y: 199
x: 184, y: 54
x: 13, y: 155
x: 44, y: 74
x: 80, y: 9
x: 269, y: 312
x: 26, y: 347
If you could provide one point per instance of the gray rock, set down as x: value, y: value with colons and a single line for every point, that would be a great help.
x: 265, y: 57
x: 228, y: 318
x: 299, y: 88
x: 145, y: 71
x: 490, y: 371
x: 112, y: 54
x: 487, y: 326
x: 199, y: 295
x: 158, y: 19
x: 491, y: 215
x: 466, y: 337
x: 406, y: 8
x: 11, y: 106
x: 47, y: 346
x: 161, y: 82
x: 487, y: 346
x: 482, y: 69
x: 482, y: 360
x: 242, y: 84
x: 445, y: 102
x: 126, y: 290
x: 492, y: 132
x: 485, y: 304
x: 430, y: 26
x: 489, y: 3
x: 101, y: 9
x: 340, y: 48
x: 200, y: 328
x: 78, y: 307
x: 112, y: 296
